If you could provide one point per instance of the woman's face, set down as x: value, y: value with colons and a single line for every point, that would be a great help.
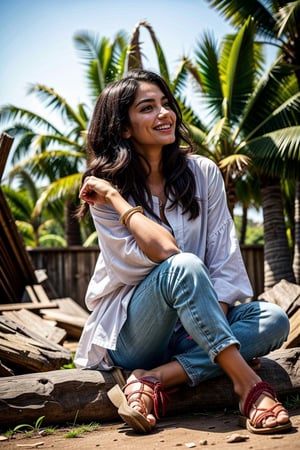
x: 152, y: 121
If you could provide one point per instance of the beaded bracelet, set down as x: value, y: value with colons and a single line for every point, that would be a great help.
x: 127, y: 214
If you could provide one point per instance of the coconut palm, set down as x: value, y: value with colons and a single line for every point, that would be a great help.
x: 35, y: 229
x: 57, y: 155
x: 279, y: 24
x: 252, y: 114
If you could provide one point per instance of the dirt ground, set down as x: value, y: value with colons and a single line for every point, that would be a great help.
x: 210, y: 431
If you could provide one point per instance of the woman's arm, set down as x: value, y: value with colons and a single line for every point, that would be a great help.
x: 153, y: 239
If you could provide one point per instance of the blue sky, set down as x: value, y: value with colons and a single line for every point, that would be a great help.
x: 37, y: 45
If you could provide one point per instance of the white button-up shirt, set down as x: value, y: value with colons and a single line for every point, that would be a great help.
x: 122, y: 265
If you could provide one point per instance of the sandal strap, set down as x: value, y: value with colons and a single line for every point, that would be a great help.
x: 160, y: 396
x: 262, y: 413
x: 255, y: 392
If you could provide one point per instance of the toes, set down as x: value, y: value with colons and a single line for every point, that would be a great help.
x: 151, y: 419
x: 282, y: 417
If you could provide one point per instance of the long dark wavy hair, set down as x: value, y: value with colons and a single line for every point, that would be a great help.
x: 114, y: 158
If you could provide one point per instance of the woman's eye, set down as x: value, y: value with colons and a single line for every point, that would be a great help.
x: 147, y: 108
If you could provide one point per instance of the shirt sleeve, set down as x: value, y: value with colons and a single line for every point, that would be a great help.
x: 121, y: 258
x: 223, y: 255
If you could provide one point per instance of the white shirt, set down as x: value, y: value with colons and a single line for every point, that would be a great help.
x: 122, y: 265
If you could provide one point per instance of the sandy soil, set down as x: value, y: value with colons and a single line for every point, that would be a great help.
x: 198, y: 431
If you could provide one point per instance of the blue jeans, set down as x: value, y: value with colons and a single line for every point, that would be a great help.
x: 174, y: 314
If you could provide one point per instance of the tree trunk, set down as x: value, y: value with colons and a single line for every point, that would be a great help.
x: 231, y: 195
x: 68, y: 395
x: 244, y: 225
x: 296, y: 260
x: 277, y: 264
x: 73, y: 235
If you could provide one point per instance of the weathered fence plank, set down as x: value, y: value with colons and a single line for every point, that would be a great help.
x: 70, y: 269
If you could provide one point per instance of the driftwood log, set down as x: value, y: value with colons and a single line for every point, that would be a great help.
x: 80, y: 395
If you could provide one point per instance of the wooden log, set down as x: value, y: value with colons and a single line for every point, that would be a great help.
x: 80, y: 395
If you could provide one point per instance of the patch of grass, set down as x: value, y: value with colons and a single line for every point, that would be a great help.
x: 79, y: 430
x: 30, y: 430
x: 293, y: 401
x: 27, y: 428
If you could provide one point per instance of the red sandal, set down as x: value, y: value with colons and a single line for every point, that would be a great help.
x: 135, y: 419
x: 255, y: 424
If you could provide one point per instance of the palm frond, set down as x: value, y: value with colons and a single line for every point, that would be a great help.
x: 54, y: 100
x: 237, y: 71
x: 236, y: 12
x: 11, y: 113
x: 277, y: 152
x: 64, y: 187
x: 288, y: 17
x: 285, y: 115
x: 51, y: 164
x: 208, y: 75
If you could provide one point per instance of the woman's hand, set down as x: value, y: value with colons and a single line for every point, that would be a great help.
x: 96, y: 191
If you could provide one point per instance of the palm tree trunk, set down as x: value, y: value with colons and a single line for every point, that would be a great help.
x: 231, y: 195
x: 296, y: 259
x: 277, y: 263
x: 244, y: 224
x: 72, y: 226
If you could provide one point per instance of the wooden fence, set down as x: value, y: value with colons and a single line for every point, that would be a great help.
x: 69, y: 269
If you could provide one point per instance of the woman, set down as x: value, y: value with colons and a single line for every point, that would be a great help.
x: 170, y: 271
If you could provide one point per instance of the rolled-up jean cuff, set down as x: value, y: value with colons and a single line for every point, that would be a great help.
x: 209, y: 370
x: 213, y: 353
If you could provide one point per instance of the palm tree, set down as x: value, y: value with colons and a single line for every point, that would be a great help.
x: 279, y: 24
x: 56, y: 155
x: 38, y: 137
x: 45, y: 228
x: 249, y: 111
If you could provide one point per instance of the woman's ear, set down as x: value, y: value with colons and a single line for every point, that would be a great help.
x: 126, y: 133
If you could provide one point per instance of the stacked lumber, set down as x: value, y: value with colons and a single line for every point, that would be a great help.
x: 33, y: 334
x: 23, y: 350
x: 287, y: 296
x: 31, y: 337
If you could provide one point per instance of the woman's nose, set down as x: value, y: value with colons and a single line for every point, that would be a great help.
x: 163, y: 111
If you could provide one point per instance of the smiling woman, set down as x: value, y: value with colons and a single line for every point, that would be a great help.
x: 170, y: 269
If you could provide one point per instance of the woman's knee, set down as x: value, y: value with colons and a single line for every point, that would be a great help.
x: 189, y: 263
x: 278, y: 318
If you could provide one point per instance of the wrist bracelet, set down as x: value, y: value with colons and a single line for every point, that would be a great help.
x: 127, y: 214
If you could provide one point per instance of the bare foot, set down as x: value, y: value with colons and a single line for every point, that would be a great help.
x: 277, y: 414
x: 140, y: 396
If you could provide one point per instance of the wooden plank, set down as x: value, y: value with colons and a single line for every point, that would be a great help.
x: 294, y: 335
x: 26, y: 353
x: 68, y: 306
x: 24, y: 350
x: 27, y: 305
x: 31, y: 294
x: 73, y: 325
x: 6, y: 142
x: 69, y: 315
x: 40, y: 293
x: 37, y: 324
